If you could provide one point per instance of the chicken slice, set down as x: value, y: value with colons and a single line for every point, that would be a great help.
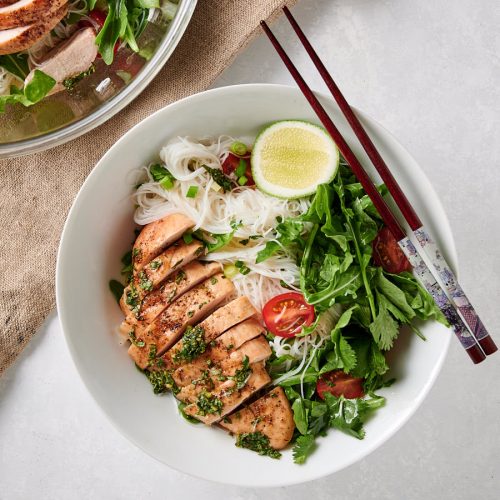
x: 26, y: 12
x: 3, y: 3
x: 152, y: 274
x: 17, y: 39
x: 212, y: 407
x: 157, y: 236
x: 178, y: 283
x: 71, y: 58
x: 217, y: 323
x: 271, y: 415
x: 187, y: 310
x: 221, y: 347
x: 216, y: 369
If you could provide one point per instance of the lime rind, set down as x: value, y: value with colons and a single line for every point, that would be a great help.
x: 276, y: 187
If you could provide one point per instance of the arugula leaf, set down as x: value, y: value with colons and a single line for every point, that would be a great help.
x: 300, y: 415
x: 271, y: 248
x: 288, y: 238
x: 394, y: 294
x: 303, y: 447
x: 17, y: 64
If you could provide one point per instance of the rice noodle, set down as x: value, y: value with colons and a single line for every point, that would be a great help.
x: 216, y: 212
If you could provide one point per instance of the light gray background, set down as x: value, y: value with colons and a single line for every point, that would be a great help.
x: 429, y: 71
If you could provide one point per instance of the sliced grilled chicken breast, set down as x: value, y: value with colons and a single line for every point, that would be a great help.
x: 271, y: 415
x: 221, y: 347
x: 187, y: 310
x: 217, y: 323
x: 17, y: 39
x: 26, y: 12
x: 152, y: 274
x: 211, y: 374
x: 3, y: 3
x: 177, y: 284
x: 157, y: 236
x: 72, y: 57
x: 228, y: 399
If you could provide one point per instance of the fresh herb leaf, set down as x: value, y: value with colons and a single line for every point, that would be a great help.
x: 40, y: 85
x: 348, y: 415
x: 208, y: 404
x: 303, y: 447
x: 193, y: 344
x: 258, y: 442
x: 116, y: 289
x: 218, y: 176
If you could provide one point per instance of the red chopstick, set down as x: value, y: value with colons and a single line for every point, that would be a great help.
x: 448, y: 279
x: 426, y: 277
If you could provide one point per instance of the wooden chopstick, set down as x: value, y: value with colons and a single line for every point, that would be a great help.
x: 444, y: 273
x: 423, y: 273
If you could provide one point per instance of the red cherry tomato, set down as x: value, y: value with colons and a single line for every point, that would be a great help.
x: 232, y: 162
x: 98, y: 16
x: 339, y: 384
x: 286, y: 314
x: 387, y: 254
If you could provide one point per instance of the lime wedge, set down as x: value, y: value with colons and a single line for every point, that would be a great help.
x: 291, y: 158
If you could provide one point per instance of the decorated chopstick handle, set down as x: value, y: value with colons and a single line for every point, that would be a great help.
x: 450, y: 282
x: 427, y: 279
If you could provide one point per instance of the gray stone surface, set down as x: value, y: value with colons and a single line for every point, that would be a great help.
x: 430, y: 73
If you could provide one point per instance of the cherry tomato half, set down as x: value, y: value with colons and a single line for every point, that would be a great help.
x: 339, y: 384
x: 286, y: 314
x: 387, y: 254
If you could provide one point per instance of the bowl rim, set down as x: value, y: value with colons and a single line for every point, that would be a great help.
x: 452, y: 254
x: 111, y: 107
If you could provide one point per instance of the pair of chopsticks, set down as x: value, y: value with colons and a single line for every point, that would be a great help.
x: 438, y: 278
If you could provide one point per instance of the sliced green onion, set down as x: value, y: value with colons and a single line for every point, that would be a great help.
x: 167, y: 182
x: 242, y: 180
x: 241, y: 168
x: 192, y: 192
x: 230, y: 271
x: 238, y: 148
x: 188, y: 238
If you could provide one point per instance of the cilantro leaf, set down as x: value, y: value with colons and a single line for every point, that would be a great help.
x: 384, y: 328
x: 303, y: 447
x: 348, y: 415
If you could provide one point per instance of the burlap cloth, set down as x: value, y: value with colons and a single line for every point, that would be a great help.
x: 36, y: 191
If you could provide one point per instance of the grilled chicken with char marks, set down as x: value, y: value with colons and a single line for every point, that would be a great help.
x: 157, y: 236
x: 187, y: 310
x: 220, y: 348
x: 271, y: 415
x: 14, y: 40
x: 217, y: 323
x: 26, y: 12
x: 210, y: 407
x: 215, y: 370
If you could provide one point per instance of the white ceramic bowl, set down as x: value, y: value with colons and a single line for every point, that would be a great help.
x: 99, y: 230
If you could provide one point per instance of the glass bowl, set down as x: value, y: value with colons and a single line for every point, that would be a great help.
x: 69, y: 114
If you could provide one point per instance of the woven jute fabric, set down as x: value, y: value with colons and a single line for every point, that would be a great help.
x: 36, y: 191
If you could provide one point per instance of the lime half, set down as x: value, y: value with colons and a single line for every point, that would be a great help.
x: 291, y: 158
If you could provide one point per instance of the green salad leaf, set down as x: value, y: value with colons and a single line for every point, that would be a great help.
x: 30, y: 94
